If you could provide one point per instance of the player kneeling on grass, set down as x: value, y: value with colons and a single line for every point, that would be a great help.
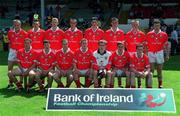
x: 83, y: 64
x: 26, y: 62
x: 140, y: 67
x: 45, y: 66
x: 120, y: 64
x: 101, y: 64
x: 64, y: 59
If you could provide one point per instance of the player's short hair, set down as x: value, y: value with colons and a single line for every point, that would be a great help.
x: 64, y: 41
x: 28, y: 39
x: 36, y: 21
x: 84, y: 39
x: 94, y: 19
x: 120, y: 43
x: 102, y: 41
x: 46, y: 41
x: 135, y: 20
x: 114, y: 19
x: 16, y: 21
x: 139, y: 45
x: 157, y: 21
x: 74, y: 19
x: 54, y: 18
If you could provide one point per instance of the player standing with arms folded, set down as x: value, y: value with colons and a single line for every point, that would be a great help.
x: 36, y: 34
x: 54, y: 35
x: 73, y: 35
x: 156, y: 42
x: 113, y: 35
x: 93, y: 35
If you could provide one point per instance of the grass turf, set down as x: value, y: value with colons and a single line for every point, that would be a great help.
x: 13, y: 103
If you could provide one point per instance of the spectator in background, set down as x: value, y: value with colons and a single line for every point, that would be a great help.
x: 174, y: 41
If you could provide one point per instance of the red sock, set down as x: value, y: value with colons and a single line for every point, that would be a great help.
x: 111, y: 86
x: 78, y: 83
x: 60, y: 85
x: 133, y: 86
x: 19, y: 85
x: 10, y: 82
x: 88, y: 82
x: 160, y: 83
x: 119, y: 82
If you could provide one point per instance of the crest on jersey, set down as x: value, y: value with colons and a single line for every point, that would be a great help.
x: 90, y: 33
x: 118, y: 34
x: 142, y: 60
x: 31, y: 35
x: 115, y: 58
x: 39, y: 34
x: 152, y: 36
x: 106, y: 58
x: 97, y: 33
x: 75, y: 34
x: 111, y: 34
x: 139, y: 35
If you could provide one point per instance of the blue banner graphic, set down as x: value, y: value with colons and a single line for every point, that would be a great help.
x: 154, y: 100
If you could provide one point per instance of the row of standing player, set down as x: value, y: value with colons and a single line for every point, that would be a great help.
x: 155, y: 40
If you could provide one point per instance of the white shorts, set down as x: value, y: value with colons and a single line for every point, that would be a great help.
x: 119, y: 73
x: 22, y: 70
x: 12, y: 56
x: 83, y: 72
x: 157, y: 57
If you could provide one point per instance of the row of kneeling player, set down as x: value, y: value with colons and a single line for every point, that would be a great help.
x: 83, y: 63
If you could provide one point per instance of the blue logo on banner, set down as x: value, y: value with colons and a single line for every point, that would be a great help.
x: 160, y: 100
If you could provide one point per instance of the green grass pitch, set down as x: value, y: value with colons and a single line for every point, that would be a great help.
x: 13, y: 103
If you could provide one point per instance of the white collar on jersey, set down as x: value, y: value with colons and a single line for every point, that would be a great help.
x: 95, y: 29
x: 73, y: 30
x: 36, y: 31
x: 57, y: 28
x: 82, y: 50
x: 117, y: 29
x: 158, y: 32
x: 15, y: 31
x: 66, y: 51
x: 120, y: 54
x: 48, y: 52
x: 137, y: 55
x: 135, y: 32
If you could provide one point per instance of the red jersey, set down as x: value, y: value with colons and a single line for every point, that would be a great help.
x: 37, y: 38
x: 16, y: 40
x: 93, y: 37
x: 112, y: 38
x: 65, y: 60
x: 156, y: 42
x: 133, y: 39
x: 46, y: 61
x: 74, y: 38
x: 55, y: 38
x: 26, y: 59
x: 120, y: 61
x: 83, y: 60
x: 140, y: 64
